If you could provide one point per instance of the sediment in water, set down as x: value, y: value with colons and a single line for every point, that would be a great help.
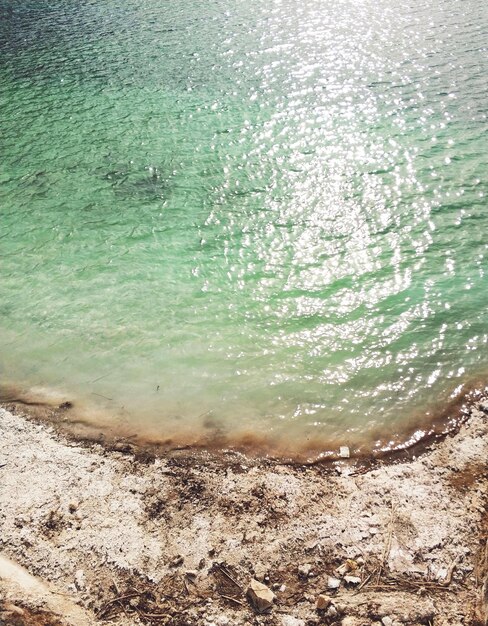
x: 82, y: 423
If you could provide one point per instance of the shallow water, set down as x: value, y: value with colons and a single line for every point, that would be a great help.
x: 245, y: 217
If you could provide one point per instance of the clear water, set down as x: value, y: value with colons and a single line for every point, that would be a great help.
x: 244, y: 217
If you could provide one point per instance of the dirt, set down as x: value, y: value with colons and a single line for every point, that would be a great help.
x: 132, y: 537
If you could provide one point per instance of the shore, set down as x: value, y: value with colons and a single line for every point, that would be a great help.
x: 93, y: 535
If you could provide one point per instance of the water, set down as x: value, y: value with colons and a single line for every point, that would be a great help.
x: 245, y: 218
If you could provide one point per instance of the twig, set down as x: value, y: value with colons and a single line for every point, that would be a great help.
x: 227, y: 575
x: 185, y: 584
x: 387, y: 548
x: 450, y: 572
x: 127, y: 596
x: 364, y: 583
x: 232, y: 599
x: 101, y: 396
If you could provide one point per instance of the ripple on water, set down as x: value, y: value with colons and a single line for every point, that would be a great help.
x: 230, y: 219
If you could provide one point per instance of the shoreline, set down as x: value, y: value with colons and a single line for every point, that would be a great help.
x: 176, y: 538
x: 423, y: 432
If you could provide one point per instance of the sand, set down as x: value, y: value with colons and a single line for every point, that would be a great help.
x: 91, y: 535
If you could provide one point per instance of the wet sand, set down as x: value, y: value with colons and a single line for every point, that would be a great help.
x: 126, y: 536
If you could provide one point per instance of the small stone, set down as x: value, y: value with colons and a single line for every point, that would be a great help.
x: 344, y: 452
x: 333, y: 583
x: 191, y: 574
x: 261, y: 597
x: 201, y: 564
x: 387, y: 621
x: 282, y: 588
x: 260, y: 572
x: 332, y: 611
x: 304, y: 570
x: 176, y: 561
x: 322, y: 602
x: 484, y: 406
x: 352, y: 580
x: 80, y: 579
x: 346, y: 567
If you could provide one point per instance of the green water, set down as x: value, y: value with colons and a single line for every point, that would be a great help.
x: 245, y: 217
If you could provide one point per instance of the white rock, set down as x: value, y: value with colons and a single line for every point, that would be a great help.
x: 333, y: 583
x: 80, y: 579
x: 344, y: 452
x: 305, y: 570
x: 352, y: 580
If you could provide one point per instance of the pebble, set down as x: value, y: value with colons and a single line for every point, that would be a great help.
x: 261, y: 597
x: 322, y: 602
x: 305, y: 570
x: 260, y: 572
x: 333, y: 583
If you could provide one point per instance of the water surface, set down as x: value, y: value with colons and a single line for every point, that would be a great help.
x: 245, y: 217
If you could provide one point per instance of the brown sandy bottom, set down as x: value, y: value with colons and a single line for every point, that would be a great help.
x: 94, y: 536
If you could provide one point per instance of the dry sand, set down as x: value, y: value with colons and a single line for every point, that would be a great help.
x: 91, y: 535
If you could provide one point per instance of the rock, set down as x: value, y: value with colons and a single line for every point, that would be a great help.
x: 322, y: 602
x: 305, y: 570
x: 387, y: 621
x: 261, y: 597
x: 332, y: 610
x: 80, y: 579
x: 191, y: 574
x: 176, y: 561
x: 282, y: 588
x: 352, y: 580
x: 346, y: 567
x: 260, y: 572
x: 344, y: 452
x: 484, y: 406
x: 333, y: 583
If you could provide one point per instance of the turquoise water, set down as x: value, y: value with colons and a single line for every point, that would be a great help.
x: 224, y: 218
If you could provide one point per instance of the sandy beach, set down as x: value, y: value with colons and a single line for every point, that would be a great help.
x: 92, y: 535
